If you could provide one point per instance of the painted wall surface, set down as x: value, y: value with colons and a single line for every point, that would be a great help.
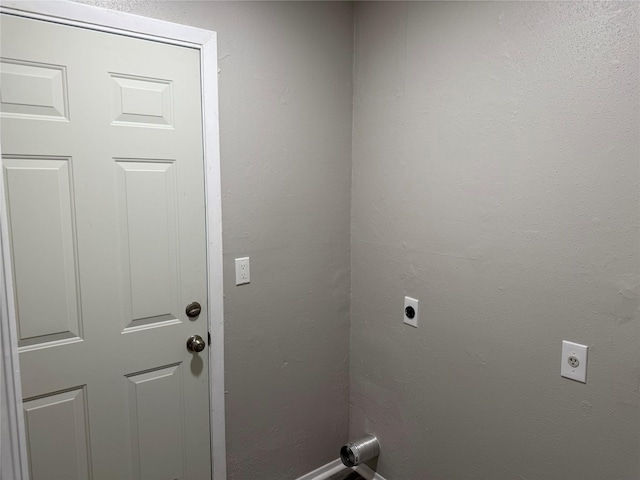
x: 495, y: 178
x: 285, y: 114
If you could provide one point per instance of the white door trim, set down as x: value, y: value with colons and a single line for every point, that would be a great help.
x: 12, y: 438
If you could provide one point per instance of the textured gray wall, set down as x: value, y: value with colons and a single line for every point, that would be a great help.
x: 285, y: 118
x: 495, y: 160
x: 495, y: 178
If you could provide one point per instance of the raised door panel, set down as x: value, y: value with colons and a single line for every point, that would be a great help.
x: 57, y: 434
x: 157, y: 427
x: 43, y: 247
x: 149, y: 242
x: 33, y: 90
x: 140, y: 101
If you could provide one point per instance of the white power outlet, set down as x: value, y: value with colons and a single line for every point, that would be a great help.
x: 574, y: 361
x: 411, y: 311
x: 243, y: 274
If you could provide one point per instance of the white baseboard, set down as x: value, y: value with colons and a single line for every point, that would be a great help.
x: 324, y: 471
x: 331, y: 468
x: 367, y: 473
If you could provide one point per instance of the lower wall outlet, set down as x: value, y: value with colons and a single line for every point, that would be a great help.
x: 411, y: 311
x: 574, y: 361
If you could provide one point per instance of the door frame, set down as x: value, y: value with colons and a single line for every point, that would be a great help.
x: 13, y: 437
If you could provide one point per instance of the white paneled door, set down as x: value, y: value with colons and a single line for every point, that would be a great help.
x: 103, y: 167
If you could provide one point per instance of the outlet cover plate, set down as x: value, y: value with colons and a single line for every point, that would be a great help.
x: 243, y: 274
x: 574, y: 361
x: 411, y: 302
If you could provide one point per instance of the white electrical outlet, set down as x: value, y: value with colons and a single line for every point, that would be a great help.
x: 242, y: 271
x: 411, y: 311
x: 574, y: 361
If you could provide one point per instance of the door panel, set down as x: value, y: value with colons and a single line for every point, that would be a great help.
x: 103, y: 163
x: 157, y: 429
x: 33, y: 89
x: 41, y: 220
x: 149, y: 227
x: 141, y: 101
x: 48, y: 419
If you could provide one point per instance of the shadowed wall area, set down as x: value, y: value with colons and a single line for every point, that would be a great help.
x: 495, y: 178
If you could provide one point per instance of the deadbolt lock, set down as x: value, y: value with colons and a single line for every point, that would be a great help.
x: 193, y: 309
